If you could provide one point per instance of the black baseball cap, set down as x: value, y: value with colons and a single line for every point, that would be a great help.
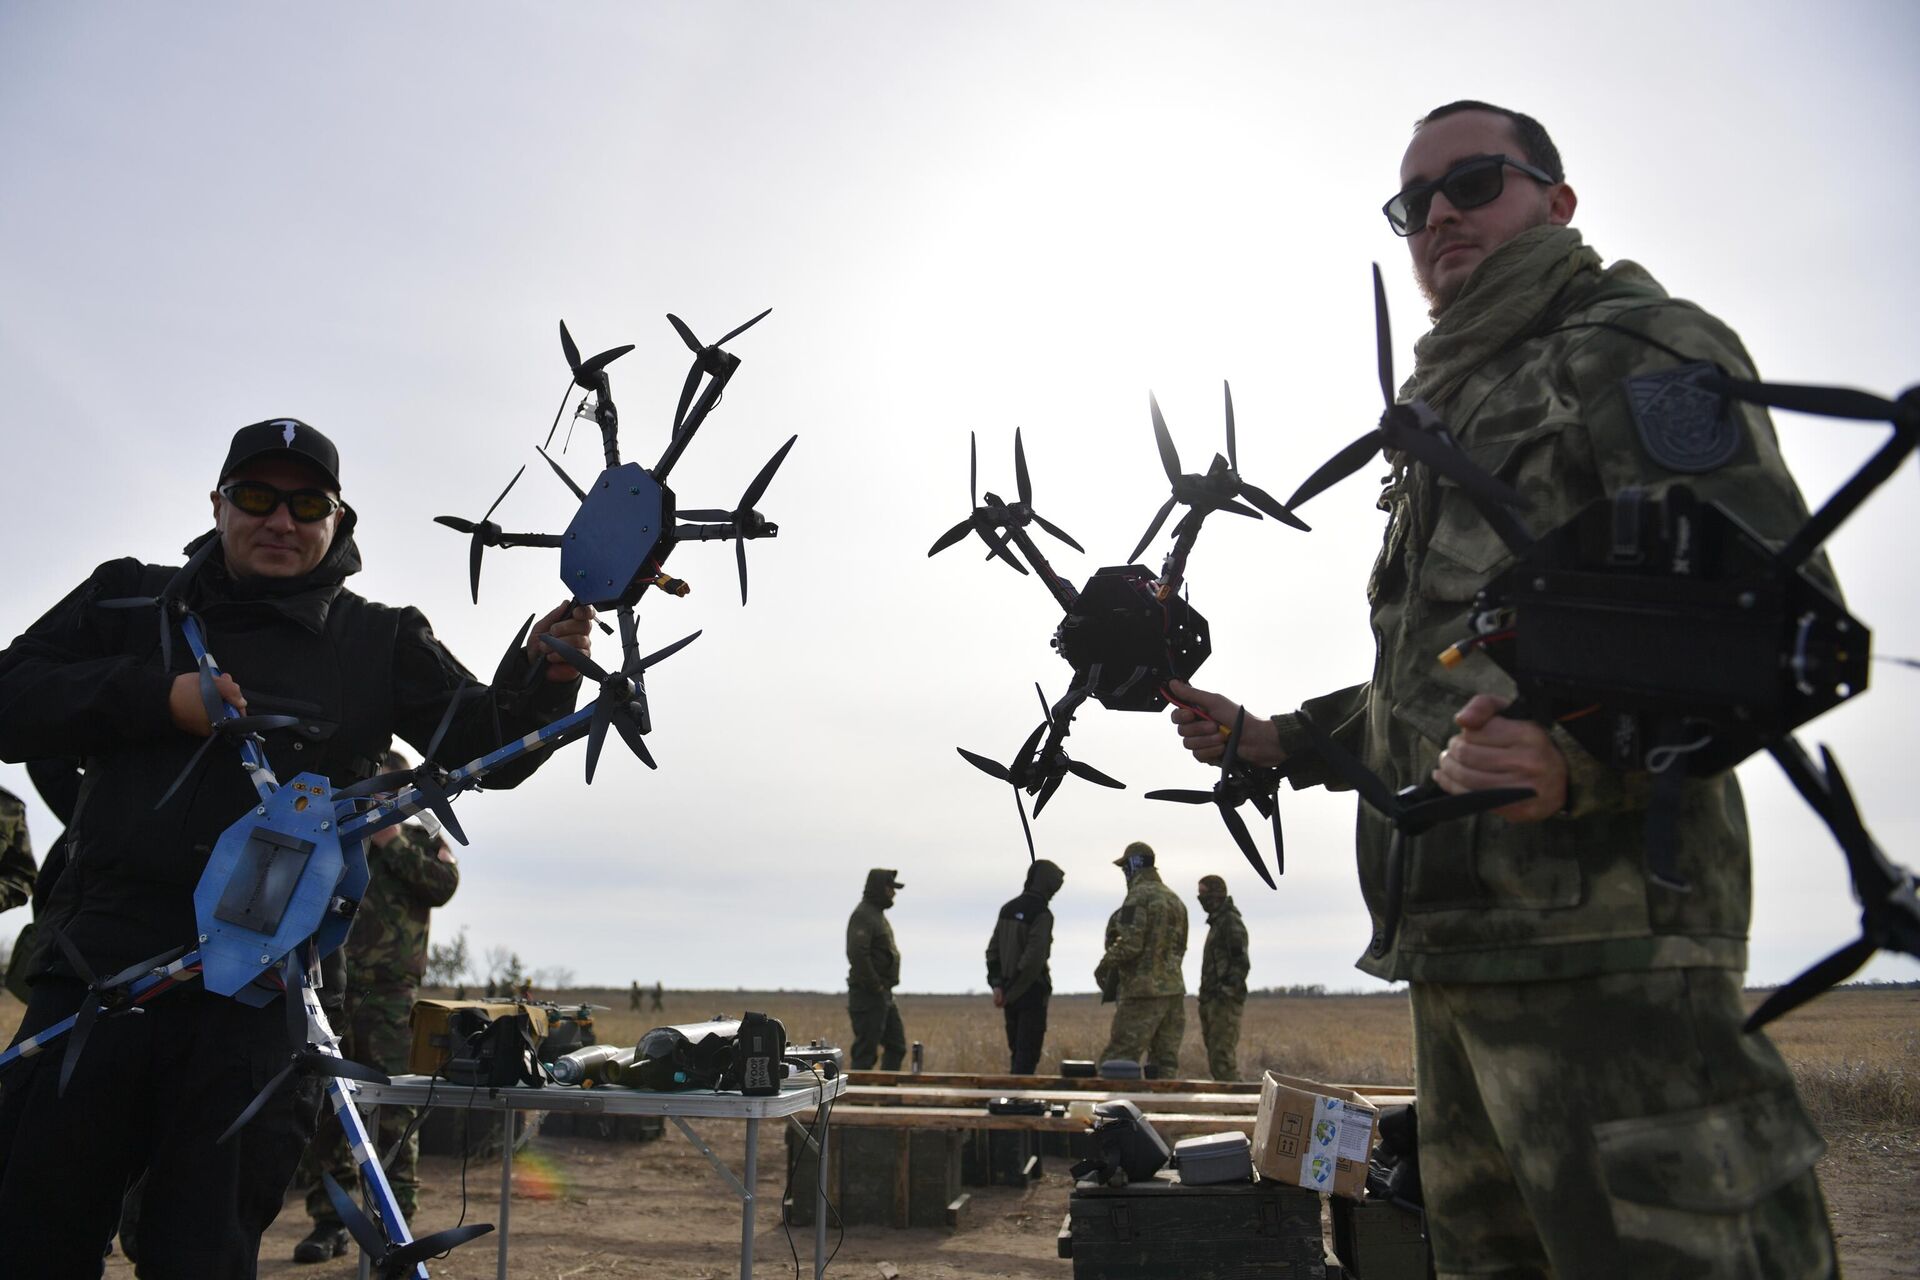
x: 283, y: 437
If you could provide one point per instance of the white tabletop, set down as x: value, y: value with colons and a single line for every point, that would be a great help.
x: 797, y: 1095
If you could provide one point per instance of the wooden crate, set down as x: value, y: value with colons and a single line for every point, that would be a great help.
x: 1375, y: 1240
x: 885, y: 1177
x: 1161, y: 1230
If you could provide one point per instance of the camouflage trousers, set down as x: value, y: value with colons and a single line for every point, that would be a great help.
x: 377, y: 1032
x: 876, y: 1026
x: 1619, y: 1125
x: 1148, y: 1028
x: 1220, y: 1030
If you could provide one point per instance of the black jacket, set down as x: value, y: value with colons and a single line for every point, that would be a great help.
x: 87, y: 682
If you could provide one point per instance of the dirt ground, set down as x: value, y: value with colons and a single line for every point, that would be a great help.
x: 583, y: 1209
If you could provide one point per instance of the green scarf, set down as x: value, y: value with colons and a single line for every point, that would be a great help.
x: 1504, y: 298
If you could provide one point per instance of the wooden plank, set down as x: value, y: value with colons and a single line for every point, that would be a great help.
x: 910, y: 1095
x: 962, y: 1118
x: 1008, y: 1083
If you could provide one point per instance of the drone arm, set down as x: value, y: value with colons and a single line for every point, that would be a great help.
x: 721, y: 370
x: 713, y: 532
x: 1061, y: 590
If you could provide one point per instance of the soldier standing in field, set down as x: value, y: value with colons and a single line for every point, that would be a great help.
x: 1017, y: 956
x: 633, y: 998
x: 659, y: 993
x: 1223, y: 979
x: 873, y: 970
x: 1147, y: 941
x: 1589, y: 1104
x: 411, y: 871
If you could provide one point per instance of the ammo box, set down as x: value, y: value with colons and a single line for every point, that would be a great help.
x: 884, y: 1177
x: 1378, y: 1240
x: 1002, y: 1157
x: 1161, y: 1230
x: 431, y: 1043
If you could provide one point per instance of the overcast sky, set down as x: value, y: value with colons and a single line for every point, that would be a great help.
x: 965, y: 218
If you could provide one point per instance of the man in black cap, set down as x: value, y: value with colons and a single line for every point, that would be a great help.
x: 873, y: 971
x: 89, y: 682
x: 1017, y: 969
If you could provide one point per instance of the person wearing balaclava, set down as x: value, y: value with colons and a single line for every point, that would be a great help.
x: 1017, y: 956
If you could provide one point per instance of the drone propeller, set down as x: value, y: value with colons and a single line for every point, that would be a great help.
x: 707, y: 359
x: 428, y: 778
x: 1214, y: 491
x: 987, y: 520
x: 623, y: 694
x: 1015, y: 775
x: 229, y: 729
x: 1022, y: 511
x: 387, y: 1260
x: 746, y: 522
x: 109, y: 995
x: 590, y: 375
x: 1051, y: 764
x: 1239, y: 783
x: 1413, y: 429
x: 484, y: 532
x: 170, y: 600
x: 306, y: 1056
x: 1889, y: 905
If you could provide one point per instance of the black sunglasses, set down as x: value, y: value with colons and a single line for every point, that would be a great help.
x: 1467, y: 185
x: 257, y: 498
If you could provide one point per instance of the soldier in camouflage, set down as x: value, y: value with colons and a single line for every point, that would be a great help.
x: 410, y: 872
x: 1589, y: 1106
x: 17, y: 867
x: 1147, y: 940
x: 873, y: 971
x: 1223, y: 979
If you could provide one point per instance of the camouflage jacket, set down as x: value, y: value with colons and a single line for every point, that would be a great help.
x: 1224, y: 963
x: 17, y: 867
x: 1489, y: 901
x: 873, y: 961
x: 1150, y: 940
x: 387, y: 947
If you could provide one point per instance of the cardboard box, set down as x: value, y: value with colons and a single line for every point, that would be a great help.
x: 430, y: 1047
x: 1316, y: 1136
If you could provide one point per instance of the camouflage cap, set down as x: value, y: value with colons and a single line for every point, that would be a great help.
x: 1140, y: 849
x: 1212, y: 884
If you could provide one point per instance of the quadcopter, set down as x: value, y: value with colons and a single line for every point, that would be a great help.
x: 1665, y: 636
x: 283, y: 882
x: 1128, y: 631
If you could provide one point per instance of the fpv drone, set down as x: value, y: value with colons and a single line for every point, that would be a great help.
x: 282, y: 884
x: 1129, y: 631
x: 1665, y: 637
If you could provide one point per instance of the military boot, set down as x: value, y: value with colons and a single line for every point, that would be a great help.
x: 327, y: 1241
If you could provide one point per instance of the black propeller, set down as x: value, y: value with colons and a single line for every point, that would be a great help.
x: 1214, y: 491
x: 623, y: 694
x: 993, y: 518
x: 748, y: 523
x: 589, y: 375
x: 485, y: 533
x: 429, y: 778
x: 221, y: 727
x: 1889, y: 905
x: 1413, y: 429
x: 108, y: 995
x: 1041, y: 766
x: 1237, y: 785
x: 307, y: 1056
x: 707, y: 359
x: 387, y: 1260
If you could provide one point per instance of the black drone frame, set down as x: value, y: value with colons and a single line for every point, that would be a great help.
x: 1664, y: 636
x: 1128, y: 632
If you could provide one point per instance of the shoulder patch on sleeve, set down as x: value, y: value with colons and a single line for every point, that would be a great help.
x: 1683, y: 425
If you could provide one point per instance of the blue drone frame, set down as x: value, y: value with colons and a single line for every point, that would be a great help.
x: 282, y: 884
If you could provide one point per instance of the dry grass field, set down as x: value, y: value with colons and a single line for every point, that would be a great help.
x: 653, y: 1210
